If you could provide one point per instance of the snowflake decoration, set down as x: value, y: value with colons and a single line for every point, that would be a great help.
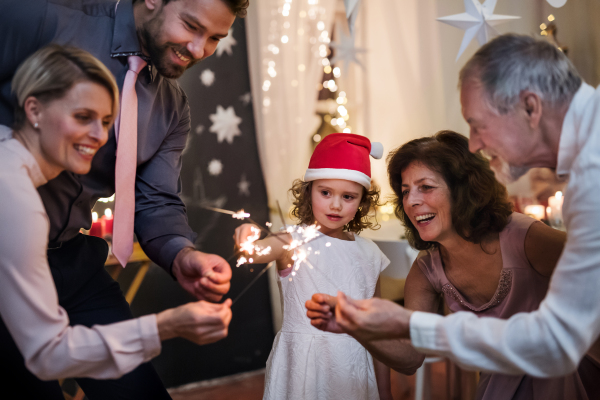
x: 244, y: 186
x: 207, y: 77
x: 225, y: 124
x: 225, y: 45
x: 246, y: 98
x: 215, y: 167
x: 199, y: 129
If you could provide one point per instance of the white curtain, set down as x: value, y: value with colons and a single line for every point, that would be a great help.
x: 284, y: 39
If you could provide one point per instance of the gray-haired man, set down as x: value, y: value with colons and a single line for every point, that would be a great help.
x: 526, y: 107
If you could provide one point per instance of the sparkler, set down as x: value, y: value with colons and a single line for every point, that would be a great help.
x: 307, y: 234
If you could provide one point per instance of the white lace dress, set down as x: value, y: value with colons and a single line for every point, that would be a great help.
x: 306, y: 363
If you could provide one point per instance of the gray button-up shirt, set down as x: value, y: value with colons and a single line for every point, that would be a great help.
x: 108, y: 32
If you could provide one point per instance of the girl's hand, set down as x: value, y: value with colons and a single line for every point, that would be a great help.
x: 320, y: 309
x: 243, y: 232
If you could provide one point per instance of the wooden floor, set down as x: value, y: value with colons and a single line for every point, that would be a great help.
x: 250, y: 386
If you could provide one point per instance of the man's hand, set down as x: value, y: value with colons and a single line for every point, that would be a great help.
x: 206, y: 276
x: 320, y: 311
x: 200, y: 322
x: 372, y: 319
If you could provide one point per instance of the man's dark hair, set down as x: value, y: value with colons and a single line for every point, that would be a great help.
x: 479, y: 203
x: 237, y: 7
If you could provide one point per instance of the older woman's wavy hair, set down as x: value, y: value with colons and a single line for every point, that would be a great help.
x: 480, y: 203
x: 365, y: 217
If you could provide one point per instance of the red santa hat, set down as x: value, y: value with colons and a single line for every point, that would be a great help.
x: 343, y: 156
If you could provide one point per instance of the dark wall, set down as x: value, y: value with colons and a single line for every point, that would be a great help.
x: 251, y: 330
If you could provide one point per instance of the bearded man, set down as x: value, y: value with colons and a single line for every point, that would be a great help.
x: 169, y: 36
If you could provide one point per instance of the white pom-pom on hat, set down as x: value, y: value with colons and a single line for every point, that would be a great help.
x: 376, y: 150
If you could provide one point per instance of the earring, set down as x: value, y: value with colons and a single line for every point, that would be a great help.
x: 35, y: 125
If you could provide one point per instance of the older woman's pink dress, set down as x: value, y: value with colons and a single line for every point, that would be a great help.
x: 520, y: 289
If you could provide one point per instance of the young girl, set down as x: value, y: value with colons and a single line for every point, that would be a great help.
x: 337, y: 196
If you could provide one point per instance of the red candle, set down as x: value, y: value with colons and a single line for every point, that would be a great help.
x: 96, y: 229
x: 108, y: 221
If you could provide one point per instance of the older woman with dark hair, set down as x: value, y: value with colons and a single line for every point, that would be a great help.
x: 476, y: 254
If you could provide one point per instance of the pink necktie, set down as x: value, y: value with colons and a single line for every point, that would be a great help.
x: 126, y: 164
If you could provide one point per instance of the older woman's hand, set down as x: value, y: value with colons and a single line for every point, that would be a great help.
x: 320, y: 311
x: 372, y: 319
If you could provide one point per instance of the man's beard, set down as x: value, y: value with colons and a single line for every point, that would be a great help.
x: 160, y: 53
x: 506, y: 173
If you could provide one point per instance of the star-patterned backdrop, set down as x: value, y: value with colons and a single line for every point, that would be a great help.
x: 221, y: 168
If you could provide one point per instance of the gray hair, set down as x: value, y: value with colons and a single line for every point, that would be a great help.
x: 510, y: 64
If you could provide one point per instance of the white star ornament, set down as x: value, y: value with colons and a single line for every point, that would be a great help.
x: 345, y: 50
x: 351, y: 13
x: 478, y: 20
x: 225, y: 45
x: 225, y: 124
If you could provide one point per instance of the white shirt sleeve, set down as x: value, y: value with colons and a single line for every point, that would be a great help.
x: 552, y: 340
x: 29, y: 303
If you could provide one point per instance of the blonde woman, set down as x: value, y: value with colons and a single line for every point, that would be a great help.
x: 67, y: 100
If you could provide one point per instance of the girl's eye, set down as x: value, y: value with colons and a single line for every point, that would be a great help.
x: 324, y: 192
x: 348, y: 197
x: 404, y: 193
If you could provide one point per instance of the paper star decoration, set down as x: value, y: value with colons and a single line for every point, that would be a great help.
x: 244, y: 186
x: 351, y: 13
x: 226, y: 44
x: 557, y: 3
x: 199, y: 129
x: 225, y: 124
x: 478, y: 20
x: 345, y: 50
x: 215, y: 167
x: 207, y: 77
x: 246, y: 98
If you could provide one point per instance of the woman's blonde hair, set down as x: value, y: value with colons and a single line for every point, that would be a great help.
x: 365, y: 217
x: 49, y: 73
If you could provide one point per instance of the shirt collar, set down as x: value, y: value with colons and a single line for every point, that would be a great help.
x: 33, y: 168
x: 125, y: 40
x: 570, y: 136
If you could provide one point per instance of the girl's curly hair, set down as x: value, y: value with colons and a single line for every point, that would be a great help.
x: 365, y: 217
x: 480, y: 203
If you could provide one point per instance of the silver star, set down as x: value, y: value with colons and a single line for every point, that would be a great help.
x: 226, y: 44
x: 243, y: 186
x: 478, y: 20
x: 345, y: 50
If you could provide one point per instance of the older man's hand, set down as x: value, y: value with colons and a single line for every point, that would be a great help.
x: 320, y: 310
x: 372, y: 319
x: 206, y: 276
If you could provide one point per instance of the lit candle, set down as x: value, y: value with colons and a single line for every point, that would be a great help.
x: 555, y: 204
x: 96, y: 229
x: 535, y: 211
x: 108, y: 222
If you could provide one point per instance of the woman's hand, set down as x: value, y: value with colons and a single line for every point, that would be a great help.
x: 199, y: 322
x: 320, y: 311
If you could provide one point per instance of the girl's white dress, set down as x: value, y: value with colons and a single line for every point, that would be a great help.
x: 306, y: 363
